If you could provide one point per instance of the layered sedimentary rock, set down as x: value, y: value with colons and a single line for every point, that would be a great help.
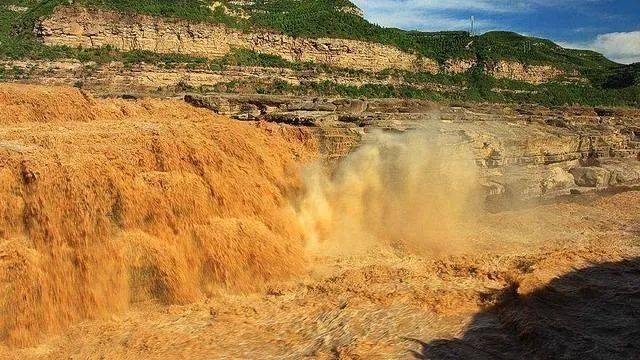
x: 116, y: 77
x: 74, y: 27
x: 523, y: 151
x: 80, y: 27
x: 535, y: 74
x: 513, y: 70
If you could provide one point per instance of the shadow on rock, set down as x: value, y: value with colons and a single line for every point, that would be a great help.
x: 592, y: 313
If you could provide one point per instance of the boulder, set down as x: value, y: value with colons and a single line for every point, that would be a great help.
x: 492, y: 188
x: 591, y: 176
x: 252, y: 111
x: 318, y: 105
x: 623, y: 173
x: 405, y: 106
x: 216, y: 104
x: 302, y: 118
x: 351, y: 106
x: 557, y: 179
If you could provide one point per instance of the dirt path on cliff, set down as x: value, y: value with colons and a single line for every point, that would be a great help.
x: 149, y: 229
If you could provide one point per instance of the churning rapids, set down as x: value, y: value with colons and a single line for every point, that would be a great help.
x: 152, y: 229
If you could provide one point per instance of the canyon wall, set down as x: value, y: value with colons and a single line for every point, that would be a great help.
x: 523, y: 151
x: 513, y: 70
x: 535, y: 74
x: 75, y: 27
x: 80, y: 27
x: 118, y: 78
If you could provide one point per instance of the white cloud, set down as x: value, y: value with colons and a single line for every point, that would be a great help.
x: 622, y: 47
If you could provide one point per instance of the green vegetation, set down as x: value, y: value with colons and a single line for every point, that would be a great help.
x: 420, y: 77
x: 245, y: 57
x: 18, y: 42
x: 195, y: 10
x: 498, y: 45
x: 475, y: 85
x: 621, y: 77
x: 329, y: 88
x: 548, y: 94
x: 323, y: 18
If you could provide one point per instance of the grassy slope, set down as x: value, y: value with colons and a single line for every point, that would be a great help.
x: 321, y: 18
x: 614, y: 84
x: 622, y: 76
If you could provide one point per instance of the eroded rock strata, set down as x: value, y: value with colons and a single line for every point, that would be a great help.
x: 523, y: 151
x: 90, y: 28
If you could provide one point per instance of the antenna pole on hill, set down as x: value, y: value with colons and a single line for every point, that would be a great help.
x: 472, y: 28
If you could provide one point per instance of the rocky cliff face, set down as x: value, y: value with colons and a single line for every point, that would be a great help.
x: 117, y: 78
x: 503, y: 69
x: 522, y: 152
x: 352, y: 10
x: 79, y: 27
x: 525, y: 150
x: 74, y: 27
x: 535, y: 74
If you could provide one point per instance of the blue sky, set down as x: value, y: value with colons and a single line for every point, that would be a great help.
x: 611, y: 27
